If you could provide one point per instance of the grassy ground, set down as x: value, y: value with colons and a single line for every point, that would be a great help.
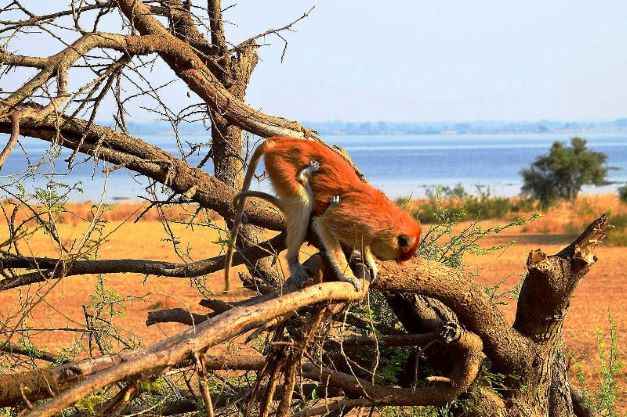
x: 603, y: 290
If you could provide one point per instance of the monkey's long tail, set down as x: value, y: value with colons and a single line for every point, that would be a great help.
x: 237, y: 221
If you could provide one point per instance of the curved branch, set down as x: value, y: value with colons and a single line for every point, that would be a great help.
x: 139, y: 156
x: 190, y: 68
x: 504, y: 345
x: 468, y: 348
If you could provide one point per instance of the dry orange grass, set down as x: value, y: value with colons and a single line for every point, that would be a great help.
x: 603, y: 289
x: 76, y: 213
x: 64, y: 299
x: 566, y: 217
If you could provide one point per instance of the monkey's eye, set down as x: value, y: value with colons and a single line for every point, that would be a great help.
x: 403, y: 240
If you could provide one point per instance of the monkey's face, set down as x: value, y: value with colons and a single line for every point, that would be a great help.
x: 398, y: 243
x: 407, y: 246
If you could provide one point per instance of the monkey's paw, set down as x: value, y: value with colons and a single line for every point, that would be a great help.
x: 299, y: 276
x: 357, y: 283
x: 373, y: 271
x: 314, y: 166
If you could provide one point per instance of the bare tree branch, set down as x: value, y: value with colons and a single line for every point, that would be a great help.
x: 175, y: 349
x: 199, y: 78
x: 15, y: 134
x: 135, y: 154
x: 53, y: 268
x: 503, y: 344
x: 276, y: 32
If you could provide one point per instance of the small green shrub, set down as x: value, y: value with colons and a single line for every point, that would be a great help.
x: 603, y: 399
x: 446, y: 192
x: 622, y: 194
x: 618, y: 235
x: 523, y: 204
x: 462, y: 206
x: 488, y: 207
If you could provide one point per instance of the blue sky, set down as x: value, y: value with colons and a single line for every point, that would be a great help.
x: 419, y: 60
x: 442, y: 60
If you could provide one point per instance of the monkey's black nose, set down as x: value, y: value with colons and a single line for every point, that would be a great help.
x: 403, y: 240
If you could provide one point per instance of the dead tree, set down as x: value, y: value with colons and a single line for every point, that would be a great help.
x: 317, y: 358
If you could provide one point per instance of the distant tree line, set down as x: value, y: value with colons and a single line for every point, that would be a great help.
x: 474, y: 127
x: 338, y: 127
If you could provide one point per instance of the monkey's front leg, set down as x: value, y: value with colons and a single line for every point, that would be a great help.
x: 335, y: 253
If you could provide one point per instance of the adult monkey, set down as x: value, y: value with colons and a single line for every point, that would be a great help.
x: 311, y: 179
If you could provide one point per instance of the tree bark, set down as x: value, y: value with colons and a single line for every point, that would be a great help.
x: 542, y: 306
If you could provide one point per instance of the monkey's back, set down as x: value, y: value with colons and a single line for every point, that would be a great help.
x: 366, y: 209
x: 285, y: 157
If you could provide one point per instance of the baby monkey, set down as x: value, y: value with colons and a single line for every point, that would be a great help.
x: 310, y: 179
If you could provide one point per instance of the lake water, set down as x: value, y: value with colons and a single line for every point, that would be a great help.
x: 399, y: 165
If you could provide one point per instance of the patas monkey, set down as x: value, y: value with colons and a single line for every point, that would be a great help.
x: 311, y: 179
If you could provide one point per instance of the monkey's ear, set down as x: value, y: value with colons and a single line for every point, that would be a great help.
x: 403, y: 241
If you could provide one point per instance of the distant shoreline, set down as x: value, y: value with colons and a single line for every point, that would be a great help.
x: 131, y: 201
x: 348, y: 128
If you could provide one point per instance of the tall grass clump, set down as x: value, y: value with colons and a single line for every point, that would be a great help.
x: 602, y: 400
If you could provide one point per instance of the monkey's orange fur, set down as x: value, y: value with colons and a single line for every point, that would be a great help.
x: 363, y: 211
x: 345, y: 210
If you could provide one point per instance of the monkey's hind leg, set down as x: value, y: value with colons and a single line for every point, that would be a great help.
x: 334, y: 252
x: 298, y: 210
